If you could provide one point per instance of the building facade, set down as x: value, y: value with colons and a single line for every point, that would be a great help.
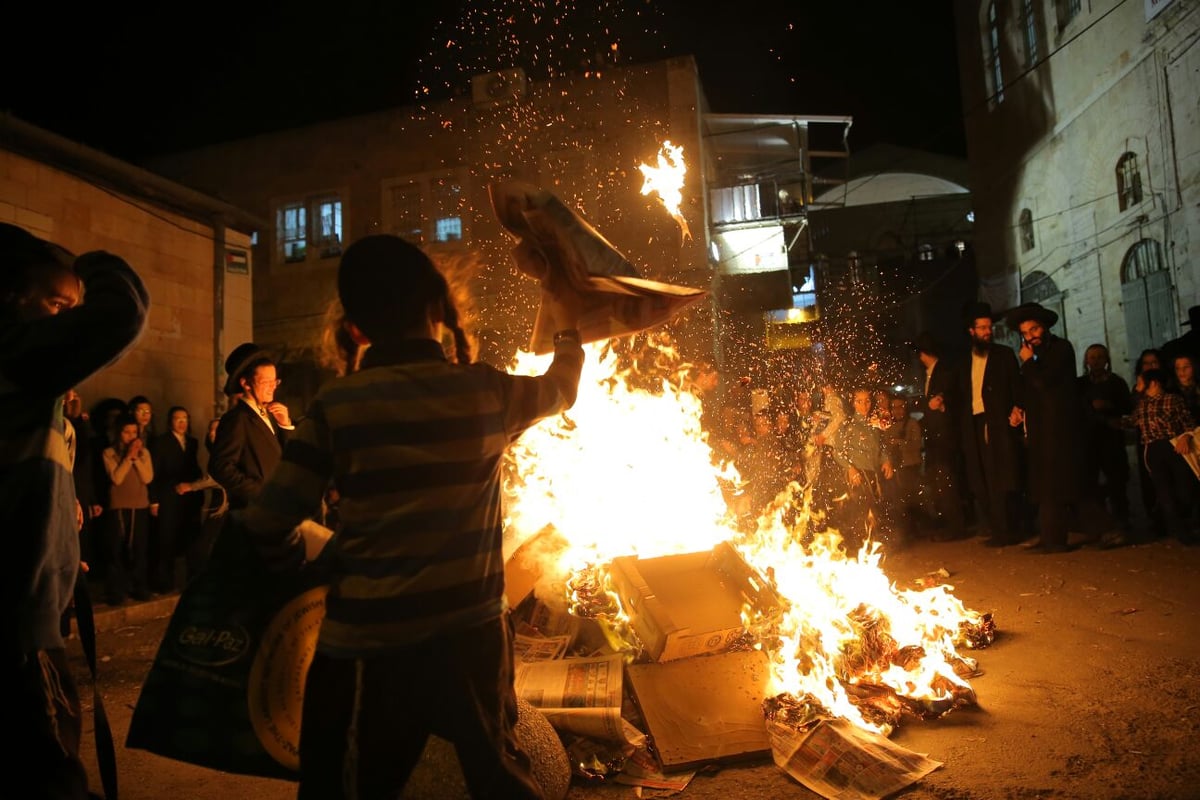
x: 423, y: 172
x: 1083, y: 134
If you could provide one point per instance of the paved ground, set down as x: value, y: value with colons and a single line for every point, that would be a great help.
x: 1092, y: 689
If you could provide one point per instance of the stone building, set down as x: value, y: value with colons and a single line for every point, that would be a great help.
x: 423, y: 172
x: 1083, y: 133
x: 192, y: 251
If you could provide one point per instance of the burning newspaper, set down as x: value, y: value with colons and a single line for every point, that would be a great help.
x: 617, y: 302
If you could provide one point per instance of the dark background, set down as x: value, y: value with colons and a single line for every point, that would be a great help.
x: 135, y: 82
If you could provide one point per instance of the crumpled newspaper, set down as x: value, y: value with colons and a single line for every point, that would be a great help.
x: 616, y: 300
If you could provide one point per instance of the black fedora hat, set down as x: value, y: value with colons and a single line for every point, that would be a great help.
x: 1193, y: 317
x: 239, y: 362
x: 1030, y: 311
x: 925, y: 343
x: 977, y: 309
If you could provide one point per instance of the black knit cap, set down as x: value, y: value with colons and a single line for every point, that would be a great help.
x: 386, y: 284
x: 21, y: 252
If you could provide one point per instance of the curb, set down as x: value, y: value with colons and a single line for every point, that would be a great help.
x: 111, y: 618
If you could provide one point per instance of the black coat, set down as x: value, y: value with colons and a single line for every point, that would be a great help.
x: 1001, y: 390
x: 1054, y: 423
x: 244, y: 454
x: 941, y: 428
x: 174, y: 465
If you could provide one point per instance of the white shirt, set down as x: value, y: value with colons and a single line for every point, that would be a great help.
x: 978, y: 365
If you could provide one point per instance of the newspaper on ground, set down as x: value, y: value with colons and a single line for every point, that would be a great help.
x: 616, y: 300
x: 578, y: 695
x: 642, y: 770
x: 840, y: 761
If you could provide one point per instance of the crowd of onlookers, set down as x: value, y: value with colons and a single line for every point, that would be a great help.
x: 148, y: 512
x: 1019, y: 445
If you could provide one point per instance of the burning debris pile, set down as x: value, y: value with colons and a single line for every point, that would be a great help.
x: 620, y: 523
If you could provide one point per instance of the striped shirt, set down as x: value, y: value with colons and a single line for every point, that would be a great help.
x: 414, y: 445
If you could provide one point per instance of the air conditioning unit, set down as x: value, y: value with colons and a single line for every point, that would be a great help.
x: 496, y: 89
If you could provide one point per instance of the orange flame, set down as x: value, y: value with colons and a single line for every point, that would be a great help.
x: 666, y: 180
x: 628, y: 471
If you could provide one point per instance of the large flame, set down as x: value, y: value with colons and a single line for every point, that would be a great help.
x: 627, y: 471
x: 666, y: 180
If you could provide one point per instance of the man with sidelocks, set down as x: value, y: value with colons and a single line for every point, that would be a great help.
x: 1053, y: 416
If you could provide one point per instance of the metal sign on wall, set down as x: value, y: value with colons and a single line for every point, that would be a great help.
x: 237, y: 261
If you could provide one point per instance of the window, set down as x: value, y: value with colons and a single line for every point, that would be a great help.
x: 1129, y: 181
x: 313, y: 223
x: 447, y: 200
x: 1025, y: 225
x: 1029, y: 29
x: 925, y: 252
x: 403, y: 201
x: 292, y: 227
x: 328, y: 226
x: 994, y: 70
x: 1066, y: 10
x: 427, y: 208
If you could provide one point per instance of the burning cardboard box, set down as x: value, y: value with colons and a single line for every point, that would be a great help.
x: 690, y: 604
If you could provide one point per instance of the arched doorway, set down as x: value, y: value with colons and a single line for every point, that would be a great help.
x: 1146, y: 297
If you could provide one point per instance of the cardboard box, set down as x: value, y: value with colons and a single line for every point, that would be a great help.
x: 701, y: 710
x: 690, y: 604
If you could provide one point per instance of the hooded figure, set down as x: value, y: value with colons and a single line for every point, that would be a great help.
x: 50, y: 341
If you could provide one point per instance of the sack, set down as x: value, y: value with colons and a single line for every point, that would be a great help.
x: 226, y: 687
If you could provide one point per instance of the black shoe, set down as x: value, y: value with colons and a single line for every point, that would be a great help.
x: 1039, y: 548
x: 997, y: 542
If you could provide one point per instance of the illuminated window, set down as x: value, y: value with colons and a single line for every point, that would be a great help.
x: 447, y: 201
x: 1029, y: 28
x: 1025, y: 225
x: 994, y: 69
x: 309, y: 225
x: 1129, y: 181
x: 925, y: 252
x: 291, y: 227
x: 327, y: 233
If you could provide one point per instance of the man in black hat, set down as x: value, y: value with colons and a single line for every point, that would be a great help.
x: 252, y: 433
x: 1186, y: 345
x: 990, y: 385
x: 50, y: 340
x: 1053, y: 416
x: 939, y: 421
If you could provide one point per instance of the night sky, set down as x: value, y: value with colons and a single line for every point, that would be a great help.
x: 135, y: 84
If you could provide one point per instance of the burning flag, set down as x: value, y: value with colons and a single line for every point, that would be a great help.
x: 666, y: 180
